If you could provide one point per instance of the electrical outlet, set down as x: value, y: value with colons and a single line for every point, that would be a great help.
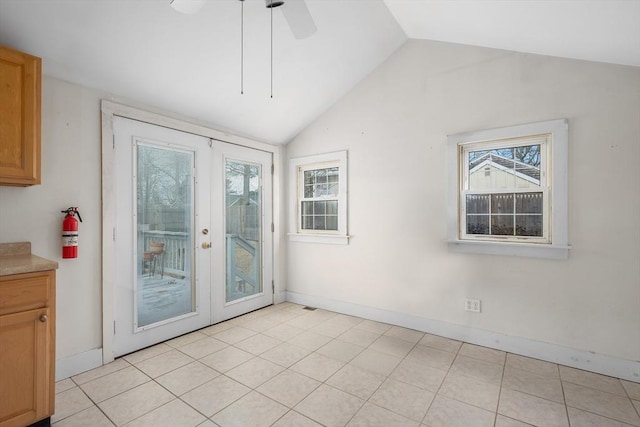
x: 472, y: 305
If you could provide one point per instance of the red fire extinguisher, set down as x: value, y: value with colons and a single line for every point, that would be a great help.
x: 70, y: 233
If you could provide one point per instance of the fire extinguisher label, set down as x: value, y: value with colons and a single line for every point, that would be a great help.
x: 69, y: 240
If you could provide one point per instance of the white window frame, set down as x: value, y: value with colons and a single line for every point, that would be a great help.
x: 554, y: 243
x: 297, y: 167
x: 544, y: 184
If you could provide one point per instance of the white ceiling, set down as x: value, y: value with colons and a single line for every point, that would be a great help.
x: 593, y: 30
x: 145, y: 51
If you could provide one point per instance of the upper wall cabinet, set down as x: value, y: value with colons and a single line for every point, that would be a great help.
x: 20, y: 77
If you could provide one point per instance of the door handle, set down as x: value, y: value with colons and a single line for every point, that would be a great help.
x: 206, y: 245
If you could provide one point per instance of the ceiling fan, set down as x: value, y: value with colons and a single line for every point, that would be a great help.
x: 295, y: 12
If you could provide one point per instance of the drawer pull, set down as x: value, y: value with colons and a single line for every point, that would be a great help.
x: 43, y: 318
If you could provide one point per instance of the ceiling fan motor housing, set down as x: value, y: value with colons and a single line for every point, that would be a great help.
x: 272, y: 3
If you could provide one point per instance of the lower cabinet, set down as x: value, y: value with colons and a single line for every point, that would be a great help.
x: 27, y: 348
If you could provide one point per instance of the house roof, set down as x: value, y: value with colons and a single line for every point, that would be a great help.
x: 147, y: 52
x: 505, y: 164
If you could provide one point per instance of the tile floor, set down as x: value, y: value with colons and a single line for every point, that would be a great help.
x: 285, y: 366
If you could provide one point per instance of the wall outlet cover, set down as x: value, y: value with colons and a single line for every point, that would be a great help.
x: 472, y: 305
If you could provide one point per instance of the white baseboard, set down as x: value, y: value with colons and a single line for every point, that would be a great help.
x: 581, y: 359
x: 78, y: 363
x: 279, y: 297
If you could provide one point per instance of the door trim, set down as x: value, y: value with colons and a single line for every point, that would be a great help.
x: 111, y: 109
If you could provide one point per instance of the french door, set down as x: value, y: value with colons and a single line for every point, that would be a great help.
x: 242, y: 179
x: 192, y: 248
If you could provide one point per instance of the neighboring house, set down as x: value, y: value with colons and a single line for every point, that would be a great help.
x: 494, y: 171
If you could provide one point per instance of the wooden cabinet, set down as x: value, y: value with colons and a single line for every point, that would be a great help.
x: 27, y: 348
x: 20, y: 89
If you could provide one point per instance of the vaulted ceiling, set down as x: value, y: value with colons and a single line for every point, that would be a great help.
x: 145, y: 51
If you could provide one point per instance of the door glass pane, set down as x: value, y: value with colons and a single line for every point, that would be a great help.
x: 164, y: 249
x: 243, y: 226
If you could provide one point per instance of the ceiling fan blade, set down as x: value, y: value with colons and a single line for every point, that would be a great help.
x: 299, y: 19
x: 187, y: 6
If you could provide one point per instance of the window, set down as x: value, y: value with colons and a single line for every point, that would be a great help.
x: 504, y: 191
x: 319, y: 189
x: 509, y: 195
x: 319, y: 198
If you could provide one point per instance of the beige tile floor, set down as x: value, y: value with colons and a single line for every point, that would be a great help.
x: 285, y: 366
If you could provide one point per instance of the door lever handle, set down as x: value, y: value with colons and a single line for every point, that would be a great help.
x: 206, y: 245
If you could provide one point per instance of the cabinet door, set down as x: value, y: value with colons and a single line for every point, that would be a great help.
x: 25, y: 339
x: 20, y: 76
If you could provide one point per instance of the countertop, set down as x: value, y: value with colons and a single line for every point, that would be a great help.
x: 16, y: 258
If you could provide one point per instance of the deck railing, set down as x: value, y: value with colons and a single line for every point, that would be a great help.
x: 243, y: 271
x: 176, y: 253
x: 243, y: 260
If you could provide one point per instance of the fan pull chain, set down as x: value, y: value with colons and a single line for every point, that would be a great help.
x: 271, y: 8
x: 242, y: 47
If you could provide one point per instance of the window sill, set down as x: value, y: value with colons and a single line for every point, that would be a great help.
x: 319, y: 238
x: 510, y: 249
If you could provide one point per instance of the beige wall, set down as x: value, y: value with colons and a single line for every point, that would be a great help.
x: 394, y: 125
x: 71, y: 174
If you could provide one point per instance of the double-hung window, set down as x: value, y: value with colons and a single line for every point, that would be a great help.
x: 504, y: 193
x: 508, y: 194
x: 319, y: 191
x: 319, y: 188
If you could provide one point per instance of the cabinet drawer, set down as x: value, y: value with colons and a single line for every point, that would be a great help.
x: 24, y: 292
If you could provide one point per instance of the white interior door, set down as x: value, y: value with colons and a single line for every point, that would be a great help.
x: 162, y: 194
x: 193, y: 233
x: 243, y: 240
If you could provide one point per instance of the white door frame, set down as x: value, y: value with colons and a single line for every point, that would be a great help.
x: 109, y: 111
